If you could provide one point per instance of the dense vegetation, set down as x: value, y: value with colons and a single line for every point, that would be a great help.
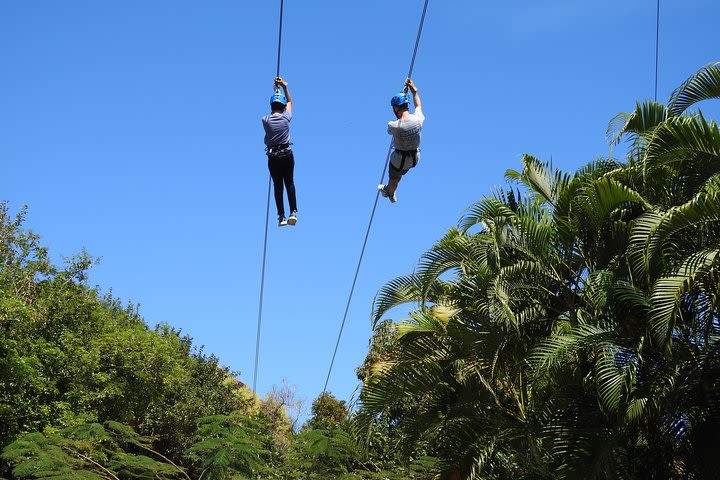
x: 567, y: 329
x: 88, y: 391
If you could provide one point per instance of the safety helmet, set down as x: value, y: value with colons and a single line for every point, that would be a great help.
x: 278, y: 97
x: 400, y: 99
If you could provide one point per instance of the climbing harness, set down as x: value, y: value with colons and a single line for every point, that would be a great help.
x: 279, y: 151
x: 374, y: 208
x: 267, y: 220
x: 403, y: 157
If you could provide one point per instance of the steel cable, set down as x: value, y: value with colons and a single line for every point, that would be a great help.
x: 277, y: 72
x: 372, y: 214
x: 262, y: 289
x: 657, y: 46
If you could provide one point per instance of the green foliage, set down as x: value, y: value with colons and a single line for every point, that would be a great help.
x: 569, y: 329
x: 327, y: 411
x: 68, y: 352
x: 702, y: 85
x: 229, y: 445
x: 86, y: 451
x: 325, y: 453
x: 88, y: 391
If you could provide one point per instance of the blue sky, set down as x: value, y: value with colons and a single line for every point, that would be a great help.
x: 133, y: 129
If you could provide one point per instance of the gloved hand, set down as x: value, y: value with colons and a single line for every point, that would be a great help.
x: 409, y: 83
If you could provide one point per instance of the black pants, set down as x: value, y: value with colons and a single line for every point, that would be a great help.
x: 281, y: 166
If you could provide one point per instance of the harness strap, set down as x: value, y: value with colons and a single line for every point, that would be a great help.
x: 403, y: 156
x: 277, y: 148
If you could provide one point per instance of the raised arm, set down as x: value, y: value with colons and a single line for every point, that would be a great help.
x: 416, y: 97
x: 282, y: 83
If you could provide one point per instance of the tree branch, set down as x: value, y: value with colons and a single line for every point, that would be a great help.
x: 180, y: 469
x: 88, y: 459
x: 203, y: 473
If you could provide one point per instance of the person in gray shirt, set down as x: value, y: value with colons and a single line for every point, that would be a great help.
x: 281, y: 161
x: 406, y: 138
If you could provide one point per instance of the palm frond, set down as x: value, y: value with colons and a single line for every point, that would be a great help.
x: 615, y: 373
x: 539, y: 177
x: 605, y: 196
x: 644, y: 119
x: 702, y: 85
x: 486, y: 212
x: 652, y: 230
x: 669, y: 292
x: 556, y: 349
x: 681, y: 138
x: 404, y: 289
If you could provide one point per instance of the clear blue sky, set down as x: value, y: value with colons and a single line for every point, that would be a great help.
x: 132, y: 128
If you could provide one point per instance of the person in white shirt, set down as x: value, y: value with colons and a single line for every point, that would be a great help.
x: 406, y: 138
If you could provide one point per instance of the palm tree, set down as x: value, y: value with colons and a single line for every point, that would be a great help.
x: 568, y: 328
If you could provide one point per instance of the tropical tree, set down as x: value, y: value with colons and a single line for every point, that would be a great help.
x: 69, y: 353
x: 225, y: 446
x: 89, y: 451
x: 568, y: 327
x: 231, y: 445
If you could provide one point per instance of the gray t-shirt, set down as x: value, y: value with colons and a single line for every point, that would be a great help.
x: 277, y: 128
x: 406, y: 133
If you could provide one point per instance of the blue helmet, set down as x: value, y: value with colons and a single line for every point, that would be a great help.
x: 278, y: 97
x: 400, y: 99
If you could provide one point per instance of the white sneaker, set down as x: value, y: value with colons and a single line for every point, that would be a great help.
x: 384, y: 192
x: 292, y: 219
x: 281, y: 221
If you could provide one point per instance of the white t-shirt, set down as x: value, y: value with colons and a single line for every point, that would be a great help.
x: 406, y: 132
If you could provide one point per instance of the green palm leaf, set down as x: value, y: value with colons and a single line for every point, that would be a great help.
x: 652, y: 230
x: 681, y: 138
x: 490, y: 213
x: 604, y: 197
x: 669, y: 292
x: 559, y: 348
x: 616, y: 372
x: 702, y: 85
x: 647, y: 116
x: 404, y: 289
x: 538, y: 177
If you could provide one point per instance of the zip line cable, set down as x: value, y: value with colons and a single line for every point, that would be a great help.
x: 417, y: 40
x: 262, y: 289
x: 372, y: 214
x: 657, y: 46
x: 357, y: 272
x: 277, y: 74
x: 267, y: 222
